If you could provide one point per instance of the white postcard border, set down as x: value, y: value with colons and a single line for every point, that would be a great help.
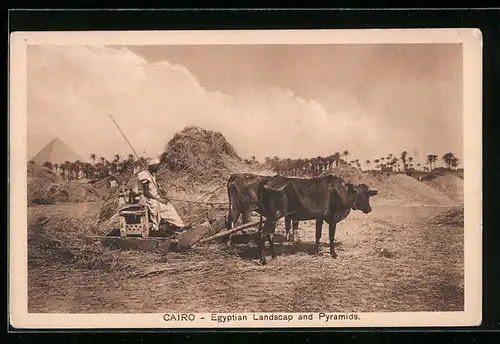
x: 471, y: 41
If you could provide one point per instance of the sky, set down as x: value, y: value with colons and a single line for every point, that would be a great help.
x: 294, y: 101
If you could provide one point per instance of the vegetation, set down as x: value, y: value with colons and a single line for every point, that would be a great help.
x: 315, y: 166
x: 101, y: 167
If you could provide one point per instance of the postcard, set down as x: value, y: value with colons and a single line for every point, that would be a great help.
x: 245, y: 179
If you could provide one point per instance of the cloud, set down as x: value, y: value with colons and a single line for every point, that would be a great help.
x: 71, y: 90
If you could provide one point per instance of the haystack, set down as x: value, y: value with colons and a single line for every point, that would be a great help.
x: 454, y: 216
x: 196, y: 156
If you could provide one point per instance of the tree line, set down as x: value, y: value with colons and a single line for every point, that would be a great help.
x: 315, y: 166
x: 101, y: 167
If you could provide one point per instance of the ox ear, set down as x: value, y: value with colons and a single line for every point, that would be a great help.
x: 372, y: 192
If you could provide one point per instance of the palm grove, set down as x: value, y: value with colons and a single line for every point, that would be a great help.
x: 101, y: 167
x: 315, y: 166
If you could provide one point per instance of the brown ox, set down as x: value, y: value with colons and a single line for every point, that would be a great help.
x: 242, y: 192
x: 325, y: 199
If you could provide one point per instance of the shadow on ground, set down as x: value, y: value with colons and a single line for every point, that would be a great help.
x: 245, y: 247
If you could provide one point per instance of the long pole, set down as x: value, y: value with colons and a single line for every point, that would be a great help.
x: 137, y: 155
x: 228, y: 232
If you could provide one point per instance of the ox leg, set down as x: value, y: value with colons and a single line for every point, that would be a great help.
x: 319, y: 227
x: 331, y: 233
x: 295, y: 227
x: 246, y: 216
x: 233, y: 217
x: 270, y: 239
x: 261, y: 247
x: 287, y: 228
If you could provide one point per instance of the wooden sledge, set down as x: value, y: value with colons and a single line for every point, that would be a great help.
x: 154, y: 244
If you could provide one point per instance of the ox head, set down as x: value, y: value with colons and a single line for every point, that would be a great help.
x: 362, y: 194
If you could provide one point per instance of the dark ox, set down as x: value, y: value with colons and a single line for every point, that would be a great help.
x: 242, y: 192
x: 326, y: 198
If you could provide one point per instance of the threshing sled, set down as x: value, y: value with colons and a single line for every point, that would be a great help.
x: 135, y: 231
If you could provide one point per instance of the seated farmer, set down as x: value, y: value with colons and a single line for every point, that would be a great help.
x: 160, y: 209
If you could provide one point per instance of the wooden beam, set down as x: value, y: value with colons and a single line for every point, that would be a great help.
x: 229, y: 232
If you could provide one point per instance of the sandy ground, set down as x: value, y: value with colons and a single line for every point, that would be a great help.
x: 423, y: 271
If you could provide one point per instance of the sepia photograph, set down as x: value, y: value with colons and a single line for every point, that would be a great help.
x: 245, y: 178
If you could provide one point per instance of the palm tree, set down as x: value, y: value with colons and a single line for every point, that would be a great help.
x: 403, y: 159
x: 253, y: 159
x: 336, y: 156
x: 368, y: 162
x: 78, y: 167
x: 410, y: 159
x: 394, y: 163
x: 434, y: 159
x: 67, y: 169
x: 447, y: 158
x: 131, y: 157
x: 376, y: 161
x: 63, y: 170
x: 93, y: 157
x: 454, y: 162
x: 345, y: 154
x: 117, y: 157
x: 47, y: 164
x: 431, y: 160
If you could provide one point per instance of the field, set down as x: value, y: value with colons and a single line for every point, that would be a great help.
x: 406, y: 255
x: 420, y: 268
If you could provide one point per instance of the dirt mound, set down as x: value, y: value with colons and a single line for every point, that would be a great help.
x: 39, y: 178
x: 450, y: 185
x: 44, y: 188
x: 453, y: 216
x: 69, y: 192
x: 394, y: 188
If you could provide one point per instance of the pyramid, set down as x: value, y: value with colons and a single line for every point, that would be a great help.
x: 57, y: 152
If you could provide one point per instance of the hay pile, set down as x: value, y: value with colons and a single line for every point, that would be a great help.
x: 394, y: 188
x: 60, y: 239
x: 454, y: 216
x: 45, y: 188
x: 196, y: 156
